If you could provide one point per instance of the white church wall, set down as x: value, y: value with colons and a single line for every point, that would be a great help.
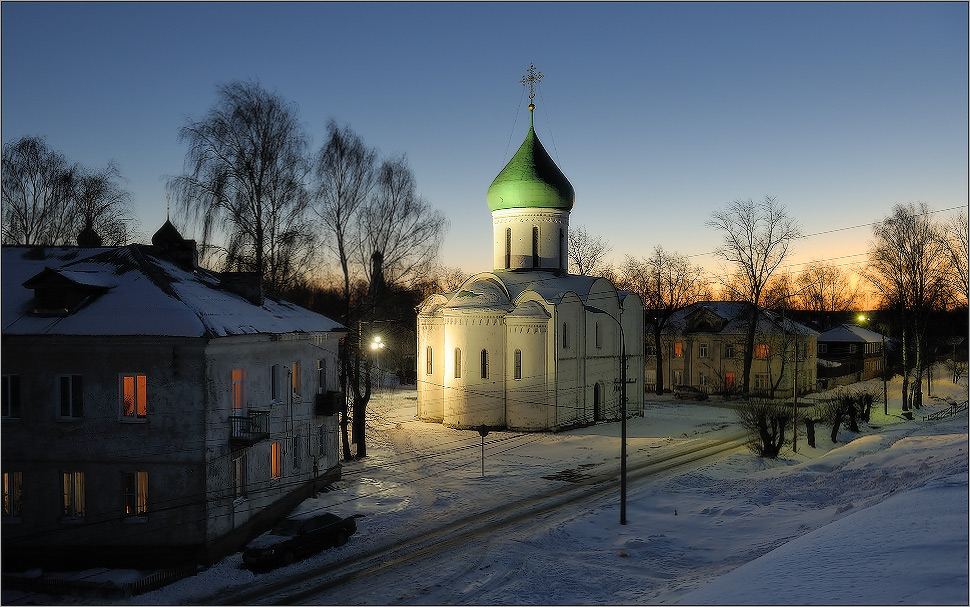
x: 513, y: 238
x: 529, y: 402
x: 569, y: 368
x: 482, y: 382
x: 430, y: 357
x: 602, y: 343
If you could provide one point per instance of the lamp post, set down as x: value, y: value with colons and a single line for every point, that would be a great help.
x: 596, y: 310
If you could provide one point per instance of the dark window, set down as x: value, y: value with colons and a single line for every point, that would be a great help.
x: 136, y: 494
x: 535, y: 247
x: 508, y: 248
x: 72, y: 401
x: 484, y: 364
x: 11, y: 396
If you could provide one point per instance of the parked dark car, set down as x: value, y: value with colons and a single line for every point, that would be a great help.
x: 689, y: 392
x: 298, y: 537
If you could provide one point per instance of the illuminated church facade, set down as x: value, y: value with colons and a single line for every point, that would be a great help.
x: 527, y: 346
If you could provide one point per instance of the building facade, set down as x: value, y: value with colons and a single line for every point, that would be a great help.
x: 527, y: 346
x: 154, y: 412
x: 850, y: 352
x: 704, y: 343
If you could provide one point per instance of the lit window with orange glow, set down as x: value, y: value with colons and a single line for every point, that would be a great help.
x: 276, y: 461
x: 296, y: 379
x: 13, y: 494
x: 678, y: 350
x: 761, y: 351
x: 136, y: 494
x: 238, y: 390
x: 134, y: 396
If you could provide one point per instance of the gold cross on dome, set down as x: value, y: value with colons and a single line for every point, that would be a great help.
x: 531, y: 79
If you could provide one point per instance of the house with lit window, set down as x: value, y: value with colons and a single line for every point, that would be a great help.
x: 850, y: 353
x: 703, y: 346
x: 527, y: 346
x: 154, y: 412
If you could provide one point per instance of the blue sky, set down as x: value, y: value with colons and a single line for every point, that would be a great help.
x: 658, y: 113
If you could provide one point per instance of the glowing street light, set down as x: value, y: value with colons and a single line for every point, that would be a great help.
x: 376, y: 343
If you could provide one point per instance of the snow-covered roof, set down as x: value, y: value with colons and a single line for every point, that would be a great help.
x: 851, y: 333
x: 142, y: 292
x: 734, y: 316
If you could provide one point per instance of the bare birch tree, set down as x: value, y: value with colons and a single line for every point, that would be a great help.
x: 398, y: 225
x: 345, y: 172
x: 244, y: 185
x: 103, y: 205
x: 48, y: 200
x: 586, y: 251
x: 757, y: 236
x: 910, y: 268
x: 36, y: 194
x: 666, y: 282
x: 956, y: 239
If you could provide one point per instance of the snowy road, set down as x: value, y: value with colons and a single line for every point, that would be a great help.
x: 730, y: 531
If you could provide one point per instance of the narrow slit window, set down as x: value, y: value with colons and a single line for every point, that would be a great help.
x: 535, y: 247
x: 508, y: 248
x: 457, y: 363
x: 484, y: 364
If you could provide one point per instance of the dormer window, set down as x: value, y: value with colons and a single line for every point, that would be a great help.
x: 63, y: 292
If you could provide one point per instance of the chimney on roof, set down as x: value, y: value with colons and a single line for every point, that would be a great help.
x: 247, y: 284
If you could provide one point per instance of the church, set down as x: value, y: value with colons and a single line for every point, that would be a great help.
x: 528, y: 346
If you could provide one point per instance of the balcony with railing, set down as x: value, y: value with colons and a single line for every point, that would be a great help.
x: 250, y: 428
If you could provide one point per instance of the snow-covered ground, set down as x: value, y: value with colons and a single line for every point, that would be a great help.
x: 878, y: 518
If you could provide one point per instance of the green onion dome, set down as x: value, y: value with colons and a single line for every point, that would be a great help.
x: 530, y: 180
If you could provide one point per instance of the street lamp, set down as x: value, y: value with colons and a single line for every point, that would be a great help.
x: 596, y: 310
x: 376, y: 345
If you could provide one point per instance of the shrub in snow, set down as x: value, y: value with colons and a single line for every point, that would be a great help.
x: 767, y: 421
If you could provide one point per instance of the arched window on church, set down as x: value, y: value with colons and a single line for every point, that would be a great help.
x: 508, y: 248
x: 484, y: 364
x: 565, y: 336
x: 517, y: 365
x: 429, y: 368
x: 535, y: 247
x: 597, y: 337
x: 457, y: 363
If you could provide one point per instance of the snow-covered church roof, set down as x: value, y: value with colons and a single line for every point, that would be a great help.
x: 500, y: 291
x: 134, y: 290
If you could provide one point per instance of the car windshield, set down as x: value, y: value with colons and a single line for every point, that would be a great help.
x: 288, y: 527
